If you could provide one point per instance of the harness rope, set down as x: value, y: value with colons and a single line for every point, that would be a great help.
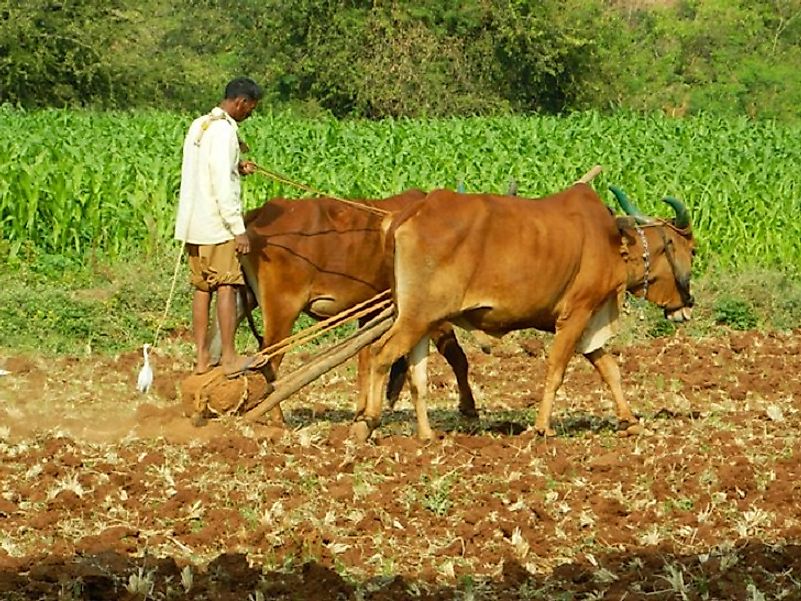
x: 285, y: 180
x: 371, y: 305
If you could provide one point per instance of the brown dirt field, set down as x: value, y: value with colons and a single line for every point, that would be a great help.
x: 107, y: 494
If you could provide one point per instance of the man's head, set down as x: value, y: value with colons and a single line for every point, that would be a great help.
x: 241, y: 97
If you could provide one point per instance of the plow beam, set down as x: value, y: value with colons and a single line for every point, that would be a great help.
x: 324, y: 362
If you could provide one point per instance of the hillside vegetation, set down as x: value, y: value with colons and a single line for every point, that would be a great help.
x: 376, y: 59
x: 365, y: 99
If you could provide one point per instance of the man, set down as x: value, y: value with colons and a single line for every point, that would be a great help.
x: 210, y: 221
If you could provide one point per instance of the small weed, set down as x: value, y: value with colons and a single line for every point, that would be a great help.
x: 140, y: 583
x: 735, y: 313
x: 436, y: 493
x: 683, y: 504
x: 187, y: 579
x: 661, y: 327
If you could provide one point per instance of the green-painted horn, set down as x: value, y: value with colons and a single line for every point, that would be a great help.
x: 627, y: 206
x: 682, y: 214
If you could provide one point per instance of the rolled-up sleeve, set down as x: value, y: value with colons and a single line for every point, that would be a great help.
x: 224, y: 176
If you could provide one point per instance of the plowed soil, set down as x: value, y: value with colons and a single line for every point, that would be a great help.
x: 108, y: 494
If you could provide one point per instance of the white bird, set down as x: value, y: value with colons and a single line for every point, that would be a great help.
x: 4, y: 372
x: 145, y: 380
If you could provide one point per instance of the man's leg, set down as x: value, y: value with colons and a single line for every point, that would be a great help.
x: 226, y: 316
x: 200, y: 325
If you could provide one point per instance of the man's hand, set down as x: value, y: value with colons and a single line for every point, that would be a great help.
x: 242, y: 244
x: 247, y: 167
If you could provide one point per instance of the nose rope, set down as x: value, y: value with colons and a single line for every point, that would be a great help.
x: 684, y: 292
x: 646, y: 259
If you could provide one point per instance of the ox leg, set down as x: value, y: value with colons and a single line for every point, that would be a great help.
x: 418, y: 386
x: 607, y: 367
x: 448, y: 346
x: 398, y: 341
x: 362, y: 379
x: 278, y: 318
x: 563, y: 347
x: 397, y: 376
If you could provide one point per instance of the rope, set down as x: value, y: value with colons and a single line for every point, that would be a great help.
x: 170, y: 295
x: 371, y: 305
x: 285, y: 180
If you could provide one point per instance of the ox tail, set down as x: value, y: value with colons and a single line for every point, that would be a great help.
x: 389, y: 224
x: 250, y: 298
x: 251, y: 216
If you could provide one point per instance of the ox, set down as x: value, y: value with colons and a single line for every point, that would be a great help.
x: 321, y: 256
x: 560, y: 264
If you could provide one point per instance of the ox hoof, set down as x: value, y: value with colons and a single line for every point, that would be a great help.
x: 629, y: 429
x: 426, y: 436
x: 360, y: 431
x: 198, y: 421
x: 468, y: 412
x: 547, y: 432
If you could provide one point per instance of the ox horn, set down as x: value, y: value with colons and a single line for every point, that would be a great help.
x: 682, y: 220
x: 627, y: 206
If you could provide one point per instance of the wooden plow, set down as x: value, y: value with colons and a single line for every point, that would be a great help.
x: 326, y: 360
x: 252, y: 395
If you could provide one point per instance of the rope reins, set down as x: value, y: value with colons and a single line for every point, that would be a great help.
x: 371, y: 305
x: 285, y: 180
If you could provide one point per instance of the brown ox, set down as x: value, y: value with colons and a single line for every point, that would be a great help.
x: 560, y: 264
x: 322, y: 256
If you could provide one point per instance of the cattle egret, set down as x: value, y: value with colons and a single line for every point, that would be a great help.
x: 145, y: 380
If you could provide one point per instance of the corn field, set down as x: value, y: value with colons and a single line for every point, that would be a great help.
x: 75, y: 182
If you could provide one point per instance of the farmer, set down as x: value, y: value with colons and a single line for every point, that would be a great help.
x: 210, y: 221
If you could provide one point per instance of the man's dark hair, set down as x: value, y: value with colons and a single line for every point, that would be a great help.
x: 243, y: 87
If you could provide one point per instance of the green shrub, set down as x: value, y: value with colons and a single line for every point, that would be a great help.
x: 735, y: 313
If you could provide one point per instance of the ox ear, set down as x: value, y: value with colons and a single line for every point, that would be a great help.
x: 625, y: 224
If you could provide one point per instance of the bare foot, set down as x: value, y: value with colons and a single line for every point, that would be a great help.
x: 202, y: 364
x: 201, y: 369
x: 238, y: 366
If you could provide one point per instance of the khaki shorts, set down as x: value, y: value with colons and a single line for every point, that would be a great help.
x: 214, y: 265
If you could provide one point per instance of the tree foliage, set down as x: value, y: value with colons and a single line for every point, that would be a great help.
x: 386, y: 58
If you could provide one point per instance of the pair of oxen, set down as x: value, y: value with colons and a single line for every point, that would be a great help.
x: 487, y: 262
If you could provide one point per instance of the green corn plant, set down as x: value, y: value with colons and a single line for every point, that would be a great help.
x: 77, y: 182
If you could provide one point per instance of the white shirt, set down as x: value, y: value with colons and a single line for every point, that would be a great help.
x: 210, y: 205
